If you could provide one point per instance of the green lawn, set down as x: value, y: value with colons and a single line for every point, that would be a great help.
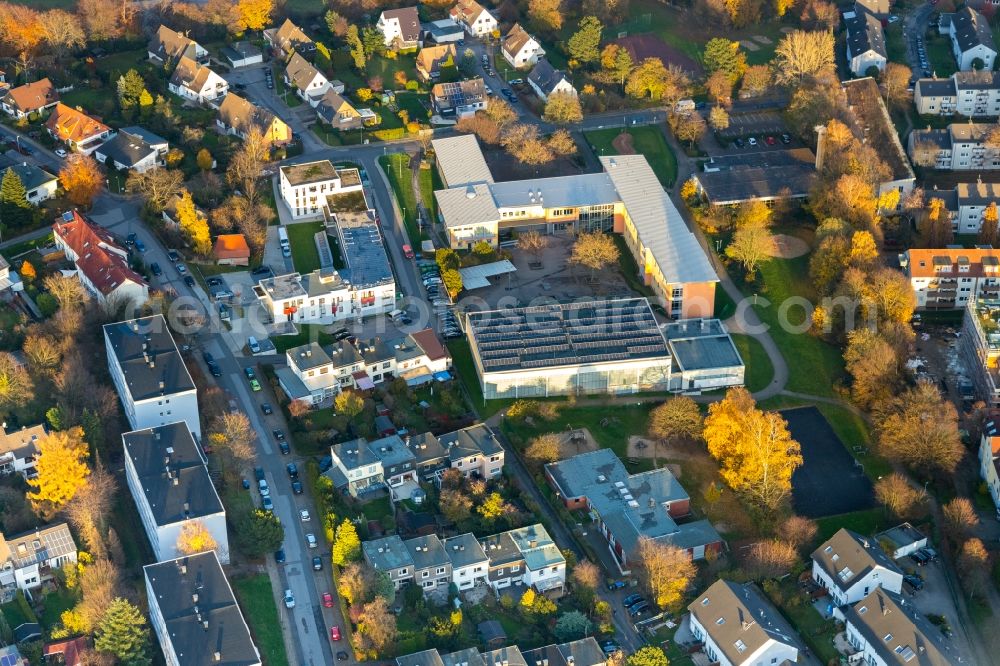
x: 817, y: 632
x: 939, y: 54
x: 814, y: 365
x: 377, y: 509
x: 89, y: 99
x: 307, y: 333
x: 648, y: 141
x: 254, y: 593
x: 412, y: 102
x: 759, y: 371
x: 301, y: 237
x: 867, y: 522
x: 286, y: 93
x: 429, y: 182
x: 895, y: 42
x: 397, y: 167
x: 122, y: 62
x: 54, y: 603
x: 623, y: 421
x: 725, y: 307
x: 387, y: 68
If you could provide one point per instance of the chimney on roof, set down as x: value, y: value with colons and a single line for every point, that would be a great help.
x: 194, y: 598
x: 184, y: 568
x: 204, y: 625
x: 177, y: 481
x: 217, y: 656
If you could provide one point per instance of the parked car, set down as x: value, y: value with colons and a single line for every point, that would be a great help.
x: 268, y: 504
x: 334, y: 633
x: 752, y: 141
x: 246, y: 483
x: 214, y: 282
x: 266, y: 408
x: 214, y: 368
x: 739, y: 143
x: 254, y: 385
x: 279, y: 556
x: 616, y: 585
x: 173, y: 256
x: 311, y: 540
x: 516, y: 82
x: 60, y: 152
x: 284, y: 448
x: 130, y: 239
x: 770, y: 140
x: 289, y: 599
x: 916, y: 582
x: 327, y: 600
x: 181, y: 268
x: 317, y: 563
x: 278, y: 434
x: 297, y: 487
x: 919, y: 558
x: 259, y: 473
x: 189, y: 281
x: 929, y: 553
x: 786, y: 139
x: 638, y: 609
x: 631, y: 600
x: 407, y: 251
x: 265, y: 491
x: 139, y: 245
x: 155, y: 269
x: 341, y: 655
x: 293, y: 471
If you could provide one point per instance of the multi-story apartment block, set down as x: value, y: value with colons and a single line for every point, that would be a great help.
x: 149, y: 374
x: 305, y: 187
x: 989, y: 461
x: 959, y: 147
x: 950, y: 278
x: 582, y: 652
x: 971, y: 40
x: 865, y: 41
x: 979, y: 348
x: 314, y: 374
x: 850, y: 566
x: 629, y: 507
x: 973, y: 94
x: 967, y: 203
x: 167, y: 475
x: 194, y: 613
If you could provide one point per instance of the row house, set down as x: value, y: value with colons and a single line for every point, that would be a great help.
x: 19, y: 450
x: 581, y: 652
x: 951, y: 278
x: 360, y: 467
x: 422, y: 560
x: 974, y: 93
x: 29, y: 559
x: 525, y: 556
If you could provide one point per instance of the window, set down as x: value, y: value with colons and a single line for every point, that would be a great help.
x: 403, y: 571
x: 425, y: 574
x: 740, y: 646
x: 515, y: 567
x: 887, y: 638
x: 439, y: 570
x: 704, y: 602
x: 721, y: 621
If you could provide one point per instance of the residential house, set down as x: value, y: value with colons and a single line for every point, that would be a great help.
x: 951, y: 278
x: 308, y: 82
x: 237, y: 116
x: 431, y: 59
x: 194, y: 613
x: 581, y: 652
x: 149, y: 373
x: 39, y: 184
x: 360, y: 466
x: 738, y: 626
x: 35, y: 97
x: 67, y: 652
x: 989, y: 462
x: 196, y: 82
x: 974, y: 93
x: 78, y: 131
x: 400, y: 28
x: 315, y: 374
x: 391, y: 555
x: 865, y: 41
x: 445, y: 31
x: 242, y: 54
x: 959, y: 147
x: 133, y: 149
x: 972, y: 40
x: 305, y: 187
x: 774, y: 175
x: 287, y: 38
x: 170, y: 46
x: 459, y: 99
x: 886, y: 629
x: 167, y: 475
x: 627, y: 198
x: 231, y: 250
x: 9, y: 280
x: 520, y: 49
x: 19, y: 450
x: 850, y: 566
x: 29, y: 559
x: 478, y: 21
x: 422, y: 559
x: 629, y: 507
x: 525, y: 556
x: 591, y: 358
x: 546, y: 80
x: 902, y: 540
x: 869, y: 120
x: 101, y: 263
x: 337, y: 112
x: 469, y: 563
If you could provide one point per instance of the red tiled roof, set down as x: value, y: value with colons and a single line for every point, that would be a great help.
x: 924, y: 263
x: 429, y: 343
x: 99, y: 257
x: 33, y: 96
x: 70, y: 650
x: 72, y: 125
x: 231, y: 246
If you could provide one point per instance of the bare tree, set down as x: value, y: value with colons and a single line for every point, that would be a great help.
x: 899, y: 497
x: 960, y: 518
x: 668, y: 571
x: 532, y: 242
x: 247, y: 164
x: 801, y: 53
x: 90, y: 507
x: 798, y: 531
x: 771, y: 558
x: 157, y: 186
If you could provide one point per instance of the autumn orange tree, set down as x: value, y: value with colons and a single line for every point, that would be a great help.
x: 62, y: 469
x: 668, y: 571
x: 254, y: 14
x: 756, y: 453
x: 81, y: 178
x: 195, y: 538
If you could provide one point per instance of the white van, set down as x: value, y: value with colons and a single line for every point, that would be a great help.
x: 253, y: 345
x: 396, y: 314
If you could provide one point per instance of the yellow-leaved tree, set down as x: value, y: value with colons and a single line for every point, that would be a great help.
x: 62, y: 469
x: 195, y: 538
x: 668, y: 571
x: 193, y: 225
x: 756, y: 453
x: 254, y: 14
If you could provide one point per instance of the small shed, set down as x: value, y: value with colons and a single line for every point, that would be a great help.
x: 902, y: 540
x: 384, y: 426
x: 492, y: 635
x: 243, y: 54
x: 231, y: 250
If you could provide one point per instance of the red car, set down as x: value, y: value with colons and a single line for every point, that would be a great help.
x: 327, y: 600
x: 408, y: 252
x: 334, y: 633
x: 771, y: 140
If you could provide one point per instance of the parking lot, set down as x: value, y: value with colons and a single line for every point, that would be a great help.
x: 753, y: 123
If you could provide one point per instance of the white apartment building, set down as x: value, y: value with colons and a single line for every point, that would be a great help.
x: 315, y: 374
x: 971, y: 40
x: 973, y: 94
x: 305, y: 187
x: 167, y: 475
x: 851, y: 566
x: 148, y: 372
x: 966, y: 204
x: 196, y: 82
x: 865, y: 41
x: 740, y: 627
x: 31, y: 558
x: 324, y: 296
x: 193, y: 611
x: 951, y: 278
x: 989, y: 462
x: 959, y: 147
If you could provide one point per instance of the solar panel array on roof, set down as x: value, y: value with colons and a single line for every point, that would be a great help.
x: 567, y: 334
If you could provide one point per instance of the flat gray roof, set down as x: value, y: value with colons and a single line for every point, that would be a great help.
x: 701, y: 344
x: 578, y: 333
x: 310, y: 172
x: 747, y: 183
x: 461, y: 160
x: 589, y: 189
x: 362, y: 249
